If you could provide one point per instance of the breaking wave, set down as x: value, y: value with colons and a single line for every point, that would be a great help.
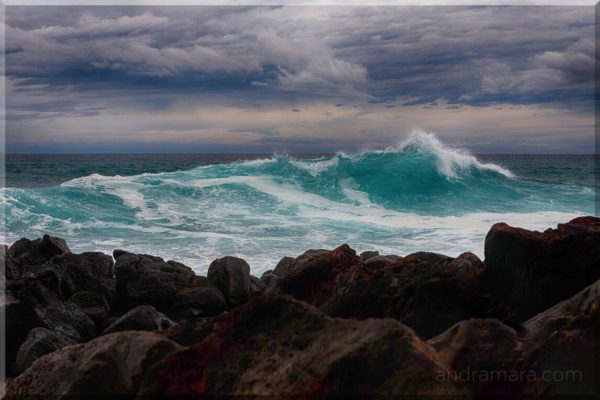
x: 419, y: 195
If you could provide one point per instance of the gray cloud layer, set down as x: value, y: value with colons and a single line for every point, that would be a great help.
x: 66, y: 64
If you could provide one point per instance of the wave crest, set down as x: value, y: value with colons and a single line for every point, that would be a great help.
x: 450, y: 161
x: 421, y: 171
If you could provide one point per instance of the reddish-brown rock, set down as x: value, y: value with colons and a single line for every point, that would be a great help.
x: 277, y: 346
x: 486, y: 355
x: 531, y: 271
x: 563, y: 343
x: 111, y: 365
x: 428, y: 292
x: 315, y: 280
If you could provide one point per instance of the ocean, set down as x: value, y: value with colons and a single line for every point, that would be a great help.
x: 419, y: 195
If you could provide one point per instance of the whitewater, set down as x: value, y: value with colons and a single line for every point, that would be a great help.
x: 419, y: 195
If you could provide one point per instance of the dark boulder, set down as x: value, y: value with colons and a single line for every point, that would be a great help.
x: 553, y: 354
x: 111, y: 365
x: 487, y: 356
x: 564, y: 341
x: 141, y: 318
x: 532, y: 271
x: 479, y: 344
x: 91, y: 272
x: 25, y: 254
x: 49, y: 263
x: 366, y: 255
x: 425, y: 256
x: 427, y: 292
x: 39, y: 342
x: 271, y: 281
x: 38, y: 251
x: 19, y: 318
x: 198, y: 301
x: 283, y: 266
x: 93, y: 305
x: 193, y: 330
x: 314, y: 277
x: 118, y: 253
x: 257, y: 287
x: 383, y: 262
x: 46, y: 278
x: 96, y: 263
x: 45, y: 275
x: 68, y: 320
x: 39, y: 293
x: 170, y: 287
x: 231, y: 275
x: 287, y: 264
x: 276, y: 346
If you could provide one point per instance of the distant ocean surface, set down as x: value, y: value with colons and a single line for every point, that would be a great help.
x: 421, y: 195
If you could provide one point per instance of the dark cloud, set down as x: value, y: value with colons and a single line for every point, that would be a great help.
x: 473, y: 52
x: 92, y: 61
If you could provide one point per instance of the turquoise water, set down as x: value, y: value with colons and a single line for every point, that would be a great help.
x: 421, y: 195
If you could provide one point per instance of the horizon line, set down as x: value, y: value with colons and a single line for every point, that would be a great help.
x: 270, y: 153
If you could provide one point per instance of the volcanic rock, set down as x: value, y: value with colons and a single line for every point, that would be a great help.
x: 92, y: 272
x: 232, y: 276
x: 382, y: 261
x: 110, y: 365
x: 564, y: 341
x: 276, y: 346
x: 429, y: 296
x: 257, y: 287
x: 366, y: 255
x: 20, y: 318
x: 39, y: 342
x: 193, y: 330
x: 93, y: 305
x: 283, y: 266
x: 287, y: 264
x: 170, y: 287
x: 271, y: 281
x: 141, y: 318
x: 27, y: 252
x: 531, y: 271
x: 487, y: 355
x: 64, y: 317
x: 425, y: 256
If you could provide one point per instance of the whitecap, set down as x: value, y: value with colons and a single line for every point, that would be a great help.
x: 259, y: 162
x: 449, y: 160
x: 315, y: 168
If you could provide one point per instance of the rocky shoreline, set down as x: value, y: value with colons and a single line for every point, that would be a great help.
x: 525, y: 321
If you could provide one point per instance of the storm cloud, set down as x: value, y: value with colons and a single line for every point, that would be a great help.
x: 84, y: 77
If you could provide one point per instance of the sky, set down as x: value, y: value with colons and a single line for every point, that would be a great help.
x: 181, y: 79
